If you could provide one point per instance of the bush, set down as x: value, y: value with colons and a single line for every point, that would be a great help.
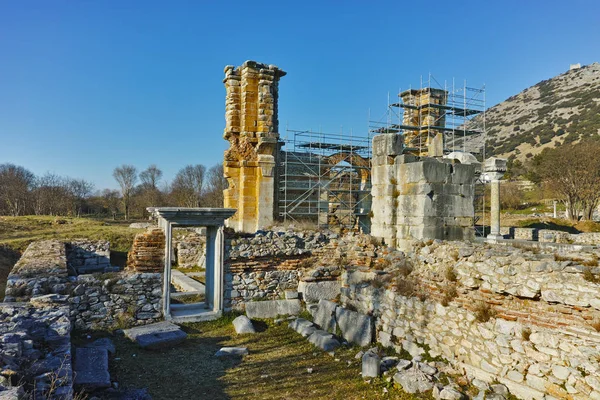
x: 483, y: 311
x: 451, y: 275
x: 525, y: 334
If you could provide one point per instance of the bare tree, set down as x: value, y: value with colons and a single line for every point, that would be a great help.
x: 126, y: 177
x: 150, y: 177
x: 572, y: 173
x: 15, y: 185
x: 79, y: 190
x: 188, y: 185
x: 216, y: 184
x: 110, y: 201
x: 49, y: 195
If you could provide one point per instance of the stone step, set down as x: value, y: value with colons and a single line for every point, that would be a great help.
x: 198, y: 313
x: 90, y: 368
x: 185, y: 283
x: 178, y: 295
x: 156, y: 336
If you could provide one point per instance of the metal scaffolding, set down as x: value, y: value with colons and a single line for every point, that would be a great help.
x: 433, y: 108
x: 456, y: 111
x: 326, y: 179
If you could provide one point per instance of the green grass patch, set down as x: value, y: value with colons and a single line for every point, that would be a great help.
x: 276, y: 368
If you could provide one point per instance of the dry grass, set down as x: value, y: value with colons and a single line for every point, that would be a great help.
x: 276, y: 367
x: 450, y: 275
x: 483, y: 311
x: 450, y: 293
x: 596, y: 325
x: 525, y: 334
x: 406, y: 287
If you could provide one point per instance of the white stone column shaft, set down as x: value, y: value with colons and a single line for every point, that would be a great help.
x: 167, y: 270
x: 495, y: 208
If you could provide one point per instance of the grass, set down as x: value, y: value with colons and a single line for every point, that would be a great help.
x: 16, y: 233
x: 276, y: 368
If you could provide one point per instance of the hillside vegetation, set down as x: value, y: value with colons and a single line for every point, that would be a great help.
x: 563, y: 109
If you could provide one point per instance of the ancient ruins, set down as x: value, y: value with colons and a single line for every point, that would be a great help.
x: 517, y: 311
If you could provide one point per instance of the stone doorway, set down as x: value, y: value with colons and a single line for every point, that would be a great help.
x: 213, y: 219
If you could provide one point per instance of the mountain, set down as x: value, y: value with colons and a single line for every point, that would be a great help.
x: 556, y: 111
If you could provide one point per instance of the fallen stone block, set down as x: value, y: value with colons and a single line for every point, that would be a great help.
x: 242, y: 324
x: 324, y: 316
x: 291, y: 294
x: 232, y: 352
x: 356, y: 328
x: 303, y: 327
x: 156, y: 336
x: 313, y: 292
x: 413, y: 381
x: 103, y: 343
x: 90, y: 368
x: 371, y: 365
x: 272, y: 308
x: 324, y: 340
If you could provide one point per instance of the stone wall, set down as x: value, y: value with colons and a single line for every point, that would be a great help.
x: 35, y: 350
x: 108, y: 301
x: 42, y: 269
x: 88, y: 256
x: 550, y: 236
x: 190, y: 250
x: 419, y: 197
x: 147, y: 252
x: 503, y: 313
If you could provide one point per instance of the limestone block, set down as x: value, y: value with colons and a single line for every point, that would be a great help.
x: 324, y: 340
x: 313, y: 292
x: 91, y: 368
x: 371, y: 365
x: 387, y: 145
x: 272, y: 308
x: 242, y: 324
x: 156, y: 336
x: 325, y: 315
x: 356, y: 328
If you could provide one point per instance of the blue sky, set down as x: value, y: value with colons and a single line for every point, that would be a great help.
x: 86, y: 85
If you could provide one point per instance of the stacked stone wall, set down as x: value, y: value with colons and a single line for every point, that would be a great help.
x: 88, y: 256
x: 147, y: 252
x: 527, y: 319
x: 108, y: 301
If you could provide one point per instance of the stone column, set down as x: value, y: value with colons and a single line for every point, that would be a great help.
x: 167, y: 272
x: 211, y: 266
x: 218, y: 268
x: 495, y: 210
x: 495, y: 168
x: 555, y: 213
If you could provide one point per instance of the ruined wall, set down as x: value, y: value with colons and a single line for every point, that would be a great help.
x: 252, y: 93
x: 120, y: 299
x: 147, y: 252
x: 42, y: 269
x: 88, y: 256
x: 35, y: 349
x: 419, y: 198
x: 507, y: 314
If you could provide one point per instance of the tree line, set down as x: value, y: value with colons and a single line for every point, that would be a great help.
x: 569, y: 173
x: 24, y: 193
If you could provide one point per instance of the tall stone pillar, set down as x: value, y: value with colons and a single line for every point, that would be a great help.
x: 252, y: 93
x: 494, y: 168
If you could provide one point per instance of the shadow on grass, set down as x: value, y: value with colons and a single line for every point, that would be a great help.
x: 550, y: 225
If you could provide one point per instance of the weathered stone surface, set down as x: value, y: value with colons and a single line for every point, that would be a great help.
x: 156, y: 336
x: 242, y: 324
x: 413, y: 381
x: 356, y: 328
x: 273, y: 308
x: 371, y: 365
x: 324, y: 340
x: 91, y: 368
x: 303, y: 326
x: 313, y: 292
x: 325, y: 315
x: 232, y: 352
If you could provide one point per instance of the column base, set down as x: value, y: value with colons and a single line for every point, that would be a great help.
x: 493, y: 238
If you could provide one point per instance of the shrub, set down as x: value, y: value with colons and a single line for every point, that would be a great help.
x: 589, y: 276
x: 450, y: 274
x: 406, y: 287
x: 450, y: 293
x: 483, y: 311
x: 526, y: 333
